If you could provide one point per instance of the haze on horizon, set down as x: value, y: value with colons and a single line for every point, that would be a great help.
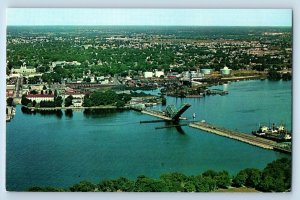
x: 148, y: 17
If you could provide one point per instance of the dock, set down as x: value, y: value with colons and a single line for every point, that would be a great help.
x: 216, y: 91
x: 243, y: 137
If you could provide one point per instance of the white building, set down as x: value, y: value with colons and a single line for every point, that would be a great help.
x: 206, y: 71
x: 77, y: 102
x: 148, y: 74
x: 75, y: 95
x: 225, y: 71
x: 40, y: 97
x: 159, y: 73
x: 23, y: 69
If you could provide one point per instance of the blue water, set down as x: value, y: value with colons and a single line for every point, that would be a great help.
x: 46, y: 150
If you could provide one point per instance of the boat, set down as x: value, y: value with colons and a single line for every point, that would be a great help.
x: 275, y: 133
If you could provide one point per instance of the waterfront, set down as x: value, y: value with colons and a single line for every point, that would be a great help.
x: 47, y: 150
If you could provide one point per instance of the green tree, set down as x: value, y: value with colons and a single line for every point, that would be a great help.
x: 145, y: 184
x: 274, y: 75
x: 68, y: 101
x: 83, y: 186
x: 276, y: 176
x: 240, y: 179
x: 34, y: 103
x: 174, y: 181
x: 249, y: 177
x: 222, y: 179
x: 124, y: 184
x: 58, y: 101
x: 87, y: 79
x: 55, y: 93
x: 120, y: 104
x: 107, y: 186
x: 253, y: 177
x: 9, y: 101
x: 25, y: 101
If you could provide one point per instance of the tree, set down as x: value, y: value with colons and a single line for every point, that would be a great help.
x: 9, y: 101
x: 124, y: 184
x: 274, y: 75
x: 249, y: 177
x: 83, y: 186
x: 58, y: 101
x: 174, y: 181
x: 253, y: 177
x: 287, y: 76
x: 68, y: 101
x: 189, y: 186
x: 87, y: 79
x: 240, y: 179
x: 120, y: 104
x: 25, y: 101
x: 33, y: 92
x: 204, y: 184
x: 55, y: 93
x: 222, y: 179
x: 34, y: 103
x: 107, y: 186
x: 145, y: 184
x: 276, y: 176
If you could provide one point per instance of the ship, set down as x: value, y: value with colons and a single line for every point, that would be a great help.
x: 275, y: 133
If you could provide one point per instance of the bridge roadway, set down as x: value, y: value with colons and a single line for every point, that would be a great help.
x: 243, y: 137
x: 247, y: 138
x: 158, y: 114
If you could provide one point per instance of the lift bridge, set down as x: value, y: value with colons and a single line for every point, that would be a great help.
x: 174, y: 113
x: 170, y: 114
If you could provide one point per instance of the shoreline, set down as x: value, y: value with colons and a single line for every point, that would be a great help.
x: 76, y: 108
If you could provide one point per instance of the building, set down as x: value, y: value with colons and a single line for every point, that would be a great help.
x: 77, y: 102
x: 148, y: 74
x: 75, y: 94
x: 23, y: 69
x: 40, y: 97
x: 225, y: 71
x: 206, y: 71
x: 159, y: 74
x: 9, y: 93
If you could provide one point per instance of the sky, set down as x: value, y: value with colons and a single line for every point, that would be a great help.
x: 169, y: 17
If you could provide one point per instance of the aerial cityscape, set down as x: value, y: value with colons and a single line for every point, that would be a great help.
x: 149, y: 105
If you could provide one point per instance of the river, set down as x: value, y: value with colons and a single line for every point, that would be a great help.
x: 47, y: 150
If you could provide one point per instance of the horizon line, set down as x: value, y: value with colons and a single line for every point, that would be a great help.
x: 152, y: 25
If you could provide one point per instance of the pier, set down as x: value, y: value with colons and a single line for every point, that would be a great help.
x: 216, y: 91
x: 243, y: 137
